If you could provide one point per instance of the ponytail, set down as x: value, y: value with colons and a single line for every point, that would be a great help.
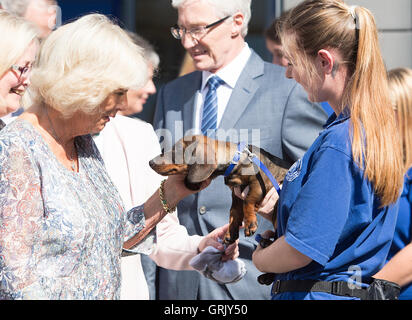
x: 375, y: 144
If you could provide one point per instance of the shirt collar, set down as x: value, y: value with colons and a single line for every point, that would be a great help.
x: 334, y: 119
x: 231, y: 73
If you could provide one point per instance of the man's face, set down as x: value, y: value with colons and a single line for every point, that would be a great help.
x: 216, y: 48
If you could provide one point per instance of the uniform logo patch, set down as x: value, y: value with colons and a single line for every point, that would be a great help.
x: 294, y: 171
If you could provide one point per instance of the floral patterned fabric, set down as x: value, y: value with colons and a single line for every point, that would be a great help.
x: 61, y: 232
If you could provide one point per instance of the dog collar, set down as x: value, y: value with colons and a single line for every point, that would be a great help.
x: 242, y: 147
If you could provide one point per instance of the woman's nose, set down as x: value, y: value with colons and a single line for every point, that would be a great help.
x: 25, y: 79
x: 150, y: 87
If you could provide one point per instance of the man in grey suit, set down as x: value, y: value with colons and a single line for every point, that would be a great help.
x: 254, y: 102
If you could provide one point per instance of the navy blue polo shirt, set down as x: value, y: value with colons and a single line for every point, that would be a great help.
x: 403, y: 232
x: 329, y: 212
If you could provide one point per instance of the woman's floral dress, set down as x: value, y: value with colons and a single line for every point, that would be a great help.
x: 61, y: 232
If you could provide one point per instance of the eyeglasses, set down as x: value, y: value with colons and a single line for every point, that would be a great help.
x: 22, y: 70
x: 196, y: 33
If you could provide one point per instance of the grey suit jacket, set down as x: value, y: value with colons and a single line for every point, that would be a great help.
x: 265, y: 100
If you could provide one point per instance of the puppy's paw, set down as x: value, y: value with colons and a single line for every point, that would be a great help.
x: 250, y: 229
x: 227, y: 240
x: 230, y: 237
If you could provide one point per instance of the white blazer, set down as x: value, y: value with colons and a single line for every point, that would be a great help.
x: 127, y: 145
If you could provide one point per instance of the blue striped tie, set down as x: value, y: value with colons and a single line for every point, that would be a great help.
x: 209, y: 119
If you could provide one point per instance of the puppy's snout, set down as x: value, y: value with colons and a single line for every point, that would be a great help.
x: 157, y: 161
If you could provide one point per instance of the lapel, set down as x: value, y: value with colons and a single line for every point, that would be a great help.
x: 243, y: 92
x: 192, y: 88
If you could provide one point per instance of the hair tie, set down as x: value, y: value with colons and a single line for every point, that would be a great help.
x: 352, y: 11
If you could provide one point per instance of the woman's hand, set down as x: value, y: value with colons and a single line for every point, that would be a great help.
x: 267, y: 205
x: 214, y: 239
x: 175, y: 189
x: 268, y: 234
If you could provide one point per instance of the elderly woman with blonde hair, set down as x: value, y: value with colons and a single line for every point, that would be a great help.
x: 18, y: 49
x: 127, y: 145
x: 63, y: 224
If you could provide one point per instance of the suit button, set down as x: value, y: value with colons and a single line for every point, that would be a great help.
x: 202, y: 210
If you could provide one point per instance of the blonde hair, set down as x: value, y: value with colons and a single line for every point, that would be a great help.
x: 17, y: 35
x: 149, y: 51
x: 225, y: 8
x: 400, y: 86
x: 17, y: 7
x: 324, y: 24
x: 81, y: 63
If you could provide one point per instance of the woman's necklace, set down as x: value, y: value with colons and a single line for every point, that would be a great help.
x: 57, y: 138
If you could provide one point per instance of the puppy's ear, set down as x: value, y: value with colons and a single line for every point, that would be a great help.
x: 202, y: 162
x: 200, y: 172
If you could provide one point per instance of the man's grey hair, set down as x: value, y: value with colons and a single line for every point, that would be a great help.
x: 225, y: 8
x: 17, y: 7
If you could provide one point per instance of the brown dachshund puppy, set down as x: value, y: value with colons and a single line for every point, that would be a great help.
x: 200, y: 158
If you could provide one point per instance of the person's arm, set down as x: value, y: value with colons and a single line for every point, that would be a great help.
x: 153, y: 212
x: 279, y: 257
x: 21, y: 220
x: 399, y: 268
x: 316, y: 219
x: 175, y: 247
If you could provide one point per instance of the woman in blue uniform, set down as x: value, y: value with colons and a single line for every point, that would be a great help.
x: 398, y: 269
x: 338, y: 207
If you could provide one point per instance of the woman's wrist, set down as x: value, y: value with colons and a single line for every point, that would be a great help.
x: 173, y: 191
x: 168, y: 203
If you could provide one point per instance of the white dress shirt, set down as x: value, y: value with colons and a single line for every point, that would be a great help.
x: 229, y: 74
